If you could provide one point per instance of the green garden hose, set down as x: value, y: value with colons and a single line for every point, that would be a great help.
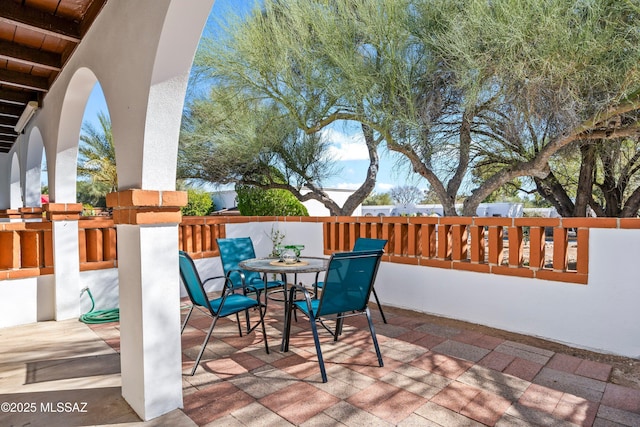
x: 99, y: 316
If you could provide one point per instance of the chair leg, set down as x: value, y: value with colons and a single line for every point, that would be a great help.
x: 264, y: 329
x: 373, y: 337
x: 384, y: 319
x: 204, y: 345
x: 246, y: 313
x: 339, y: 323
x: 186, y: 319
x: 316, y: 340
x: 238, y: 321
x: 287, y: 328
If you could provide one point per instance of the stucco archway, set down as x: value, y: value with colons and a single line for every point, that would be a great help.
x: 33, y: 169
x: 62, y: 176
x: 15, y: 198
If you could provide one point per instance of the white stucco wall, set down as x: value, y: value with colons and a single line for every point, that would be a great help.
x: 601, y: 316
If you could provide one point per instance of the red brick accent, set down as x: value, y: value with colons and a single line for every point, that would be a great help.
x: 557, y: 276
x: 10, y: 213
x: 537, y: 245
x: 582, y: 264
x: 62, y: 211
x: 468, y: 266
x: 477, y: 244
x: 459, y: 238
x: 590, y: 222
x: 496, y: 252
x: 31, y: 212
x: 10, y: 254
x: 404, y: 260
x: 516, y: 246
x: 510, y: 271
x: 560, y: 247
x: 539, y: 222
x: 139, y: 207
x: 444, y: 241
x: 491, y: 221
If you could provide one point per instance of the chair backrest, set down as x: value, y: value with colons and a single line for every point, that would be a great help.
x: 348, y: 281
x: 191, y: 280
x: 232, y: 251
x: 366, y: 244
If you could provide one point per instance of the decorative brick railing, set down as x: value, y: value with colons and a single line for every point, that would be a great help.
x: 25, y: 249
x: 97, y: 243
x: 478, y: 244
x: 198, y: 234
x: 543, y: 248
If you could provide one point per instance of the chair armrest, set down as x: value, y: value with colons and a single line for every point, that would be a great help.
x: 243, y: 281
x: 213, y: 278
x: 305, y: 291
x: 227, y: 281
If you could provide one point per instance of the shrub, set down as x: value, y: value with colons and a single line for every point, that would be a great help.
x: 199, y: 203
x: 254, y: 201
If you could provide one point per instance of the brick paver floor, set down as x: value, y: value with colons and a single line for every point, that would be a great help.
x: 433, y: 375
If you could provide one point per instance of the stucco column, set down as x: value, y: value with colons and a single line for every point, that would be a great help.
x: 66, y: 259
x: 150, y: 347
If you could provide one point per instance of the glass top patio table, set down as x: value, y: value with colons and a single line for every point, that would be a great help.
x: 273, y: 266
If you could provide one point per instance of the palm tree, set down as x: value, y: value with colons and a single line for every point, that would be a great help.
x: 97, y: 156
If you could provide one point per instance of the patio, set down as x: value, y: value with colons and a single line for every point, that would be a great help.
x: 437, y: 372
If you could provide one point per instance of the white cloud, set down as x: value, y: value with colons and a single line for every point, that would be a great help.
x: 347, y: 185
x: 345, y: 147
x: 384, y: 187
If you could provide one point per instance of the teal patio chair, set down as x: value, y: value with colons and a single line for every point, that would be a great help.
x: 347, y: 287
x: 232, y: 252
x: 227, y: 304
x: 363, y: 244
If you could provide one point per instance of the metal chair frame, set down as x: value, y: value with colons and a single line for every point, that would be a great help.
x: 362, y: 244
x: 330, y: 305
x: 215, y: 308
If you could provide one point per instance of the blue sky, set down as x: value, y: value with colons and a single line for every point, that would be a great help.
x: 347, y: 145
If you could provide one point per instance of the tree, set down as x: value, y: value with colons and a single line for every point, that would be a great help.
x: 255, y: 201
x: 97, y: 157
x: 595, y: 176
x: 377, y: 199
x: 406, y: 194
x: 446, y: 84
x: 270, y: 96
x: 555, y: 73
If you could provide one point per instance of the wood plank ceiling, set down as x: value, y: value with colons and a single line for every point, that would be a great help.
x: 37, y: 38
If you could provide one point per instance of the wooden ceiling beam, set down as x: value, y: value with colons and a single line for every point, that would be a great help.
x: 6, y: 133
x: 29, y: 56
x: 16, y: 97
x: 9, y: 110
x: 25, y: 81
x: 7, y: 122
x: 90, y: 16
x: 14, y: 13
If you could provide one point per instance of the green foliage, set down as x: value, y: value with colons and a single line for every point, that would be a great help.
x: 450, y: 85
x: 93, y: 194
x: 254, y: 201
x: 199, y: 203
x: 97, y: 156
x: 377, y: 199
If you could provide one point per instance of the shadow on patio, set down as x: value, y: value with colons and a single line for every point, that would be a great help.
x: 437, y: 372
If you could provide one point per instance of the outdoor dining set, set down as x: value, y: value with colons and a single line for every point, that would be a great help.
x: 342, y: 287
